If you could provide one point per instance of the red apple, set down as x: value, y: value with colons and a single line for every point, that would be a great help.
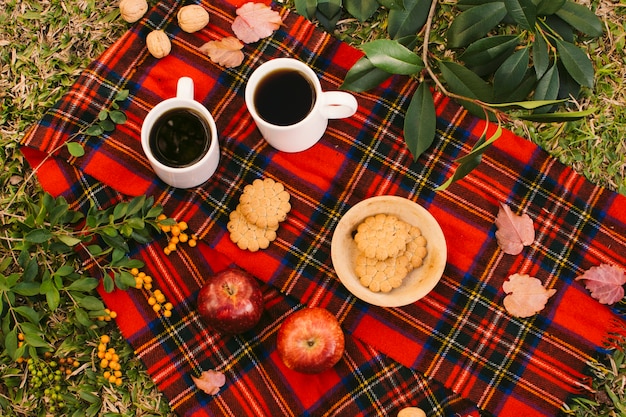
x: 310, y: 340
x: 231, y: 301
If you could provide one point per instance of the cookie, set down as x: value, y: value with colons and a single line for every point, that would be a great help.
x: 415, y: 247
x: 381, y: 276
x: 248, y: 236
x: 264, y: 203
x: 382, y: 236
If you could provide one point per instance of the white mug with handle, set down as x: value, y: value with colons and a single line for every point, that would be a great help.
x: 286, y: 101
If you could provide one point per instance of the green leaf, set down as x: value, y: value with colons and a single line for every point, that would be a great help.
x: 306, y: 8
x: 38, y: 236
x: 548, y: 86
x: 85, y: 284
x: 523, y: 12
x: 90, y: 302
x: 51, y: 292
x: 103, y: 115
x: 408, y: 20
x: 82, y: 317
x: 488, y: 49
x: 35, y: 340
x: 107, y: 125
x: 470, y: 161
x: 363, y: 76
x: 361, y: 9
x: 392, y: 4
x: 581, y: 18
x: 541, y: 55
x: 329, y: 8
x: 548, y: 7
x: 475, y: 23
x: 392, y: 57
x: 124, y: 280
x: 27, y: 289
x: 557, y: 117
x: 69, y: 240
x: 512, y: 72
x: 576, y: 62
x: 10, y: 343
x: 94, y: 130
x: 108, y: 284
x: 135, y: 205
x: 118, y: 117
x: 420, y: 122
x: 464, y: 82
x: 121, y: 95
x: 528, y: 105
x: 28, y: 313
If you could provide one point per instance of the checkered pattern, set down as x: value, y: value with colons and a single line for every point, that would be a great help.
x: 454, y: 352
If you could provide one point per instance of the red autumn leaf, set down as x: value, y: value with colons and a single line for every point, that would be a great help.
x: 605, y: 283
x: 514, y: 231
x: 225, y: 52
x: 210, y: 381
x: 255, y: 21
x: 526, y: 295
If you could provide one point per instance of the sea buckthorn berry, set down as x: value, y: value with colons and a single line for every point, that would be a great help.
x: 183, y: 237
x: 175, y: 230
x: 183, y: 226
x: 134, y: 271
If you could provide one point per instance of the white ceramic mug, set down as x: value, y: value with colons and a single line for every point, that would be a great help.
x: 198, y: 169
x: 299, y: 135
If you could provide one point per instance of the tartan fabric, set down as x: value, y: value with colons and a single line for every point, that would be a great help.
x: 454, y: 352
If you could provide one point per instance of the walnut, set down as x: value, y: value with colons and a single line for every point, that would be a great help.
x: 192, y: 18
x: 132, y: 10
x: 159, y: 45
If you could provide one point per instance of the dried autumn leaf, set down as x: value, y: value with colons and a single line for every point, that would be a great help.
x: 210, y: 381
x: 255, y: 21
x: 605, y: 282
x: 225, y: 52
x: 526, y: 296
x: 514, y: 231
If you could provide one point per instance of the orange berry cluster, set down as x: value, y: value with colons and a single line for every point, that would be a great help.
x: 177, y: 233
x: 108, y: 315
x: 158, y: 303
x: 109, y: 362
x: 157, y: 298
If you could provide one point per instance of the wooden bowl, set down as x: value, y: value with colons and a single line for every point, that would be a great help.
x: 419, y: 281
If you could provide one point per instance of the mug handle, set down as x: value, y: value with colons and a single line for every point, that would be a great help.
x: 339, y: 104
x: 184, y: 88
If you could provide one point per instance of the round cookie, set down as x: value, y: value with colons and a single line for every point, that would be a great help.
x: 382, y: 236
x: 415, y: 247
x: 264, y: 203
x: 247, y: 235
x: 381, y: 276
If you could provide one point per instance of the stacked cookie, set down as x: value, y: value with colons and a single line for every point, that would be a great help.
x: 262, y: 206
x: 388, y: 250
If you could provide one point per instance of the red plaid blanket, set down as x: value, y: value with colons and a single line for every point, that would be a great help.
x: 455, y: 352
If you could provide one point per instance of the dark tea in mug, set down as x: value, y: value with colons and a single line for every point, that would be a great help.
x: 179, y: 138
x: 284, y: 97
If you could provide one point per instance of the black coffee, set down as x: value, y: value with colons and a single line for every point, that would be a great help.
x: 179, y: 138
x: 284, y: 97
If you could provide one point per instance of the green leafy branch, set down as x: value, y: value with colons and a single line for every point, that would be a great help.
x: 503, y: 59
x: 42, y: 242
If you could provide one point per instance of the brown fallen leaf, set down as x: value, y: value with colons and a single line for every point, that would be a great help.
x: 255, y: 21
x: 210, y: 381
x: 526, y: 295
x: 514, y: 231
x: 605, y: 282
x: 225, y: 52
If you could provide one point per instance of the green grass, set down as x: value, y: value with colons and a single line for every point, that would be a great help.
x: 43, y: 48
